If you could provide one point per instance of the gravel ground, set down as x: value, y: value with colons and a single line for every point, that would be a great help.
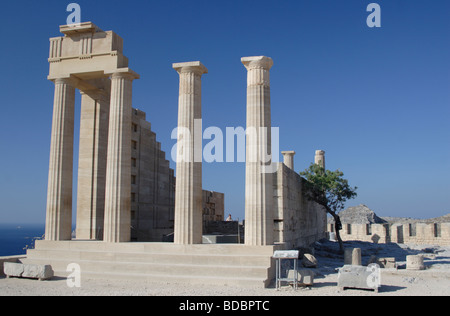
x: 434, y: 281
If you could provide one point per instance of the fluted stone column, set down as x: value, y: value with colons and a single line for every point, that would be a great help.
x: 320, y: 158
x: 258, y: 183
x: 188, y: 192
x: 92, y: 164
x: 59, y: 196
x: 289, y: 158
x: 117, y: 226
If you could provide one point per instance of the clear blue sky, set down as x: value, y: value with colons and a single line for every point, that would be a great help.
x: 376, y: 100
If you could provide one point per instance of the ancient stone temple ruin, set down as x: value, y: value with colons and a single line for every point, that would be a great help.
x: 128, y: 192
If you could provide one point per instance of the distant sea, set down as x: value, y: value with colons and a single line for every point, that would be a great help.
x: 14, y: 238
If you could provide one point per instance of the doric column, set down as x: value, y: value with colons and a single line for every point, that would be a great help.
x: 59, y: 196
x: 117, y: 226
x: 289, y: 159
x: 320, y: 158
x: 92, y: 164
x: 188, y: 192
x: 258, y: 182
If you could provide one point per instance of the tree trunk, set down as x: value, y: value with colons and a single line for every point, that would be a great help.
x: 337, y: 226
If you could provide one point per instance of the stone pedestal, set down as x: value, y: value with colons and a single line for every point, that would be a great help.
x: 188, y: 192
x: 258, y: 183
x: 59, y: 197
x: 415, y: 262
x: 118, y: 175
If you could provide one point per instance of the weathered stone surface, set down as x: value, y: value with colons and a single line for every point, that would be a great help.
x: 360, y: 214
x: 357, y: 277
x: 415, y: 263
x: 188, y: 192
x: 32, y: 271
x: 309, y: 261
x: 13, y: 269
x: 258, y: 181
x: 319, y: 159
x: 289, y: 159
x: 41, y: 272
x: 388, y: 263
x: 305, y: 276
x: 352, y: 256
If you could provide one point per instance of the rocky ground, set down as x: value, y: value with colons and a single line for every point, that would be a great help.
x: 435, y: 280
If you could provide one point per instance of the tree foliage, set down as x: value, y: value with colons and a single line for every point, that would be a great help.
x: 329, y: 189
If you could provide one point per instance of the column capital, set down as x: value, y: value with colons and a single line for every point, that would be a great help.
x: 125, y: 73
x: 257, y: 62
x: 189, y: 67
x: 68, y: 80
x: 289, y: 158
x: 288, y: 153
x: 320, y: 152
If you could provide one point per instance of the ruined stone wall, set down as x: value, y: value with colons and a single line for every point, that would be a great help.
x: 213, y: 206
x: 298, y: 222
x: 153, y: 187
x: 414, y: 233
x: 153, y: 184
x: 376, y: 233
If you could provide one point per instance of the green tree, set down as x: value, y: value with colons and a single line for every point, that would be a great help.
x: 331, y: 190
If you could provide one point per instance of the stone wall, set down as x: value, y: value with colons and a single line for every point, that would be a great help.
x: 153, y: 187
x: 414, y: 233
x: 152, y: 184
x: 213, y: 206
x: 298, y: 222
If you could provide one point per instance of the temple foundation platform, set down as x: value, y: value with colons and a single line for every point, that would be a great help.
x: 224, y: 264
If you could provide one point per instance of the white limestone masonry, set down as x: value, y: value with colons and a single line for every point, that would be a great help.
x: 258, y: 184
x: 188, y: 192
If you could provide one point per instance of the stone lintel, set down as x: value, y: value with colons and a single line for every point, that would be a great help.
x: 73, y: 29
x: 257, y: 62
x: 192, y: 66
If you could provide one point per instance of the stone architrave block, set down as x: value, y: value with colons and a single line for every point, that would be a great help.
x: 31, y: 271
x: 358, y: 277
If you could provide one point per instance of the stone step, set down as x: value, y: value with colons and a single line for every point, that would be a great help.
x: 249, y: 276
x: 205, y: 280
x: 161, y: 258
x: 156, y: 269
x: 209, y: 264
x: 208, y: 249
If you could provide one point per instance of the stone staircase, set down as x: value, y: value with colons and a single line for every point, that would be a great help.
x: 226, y: 264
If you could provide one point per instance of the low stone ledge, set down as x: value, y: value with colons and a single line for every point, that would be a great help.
x: 30, y: 271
